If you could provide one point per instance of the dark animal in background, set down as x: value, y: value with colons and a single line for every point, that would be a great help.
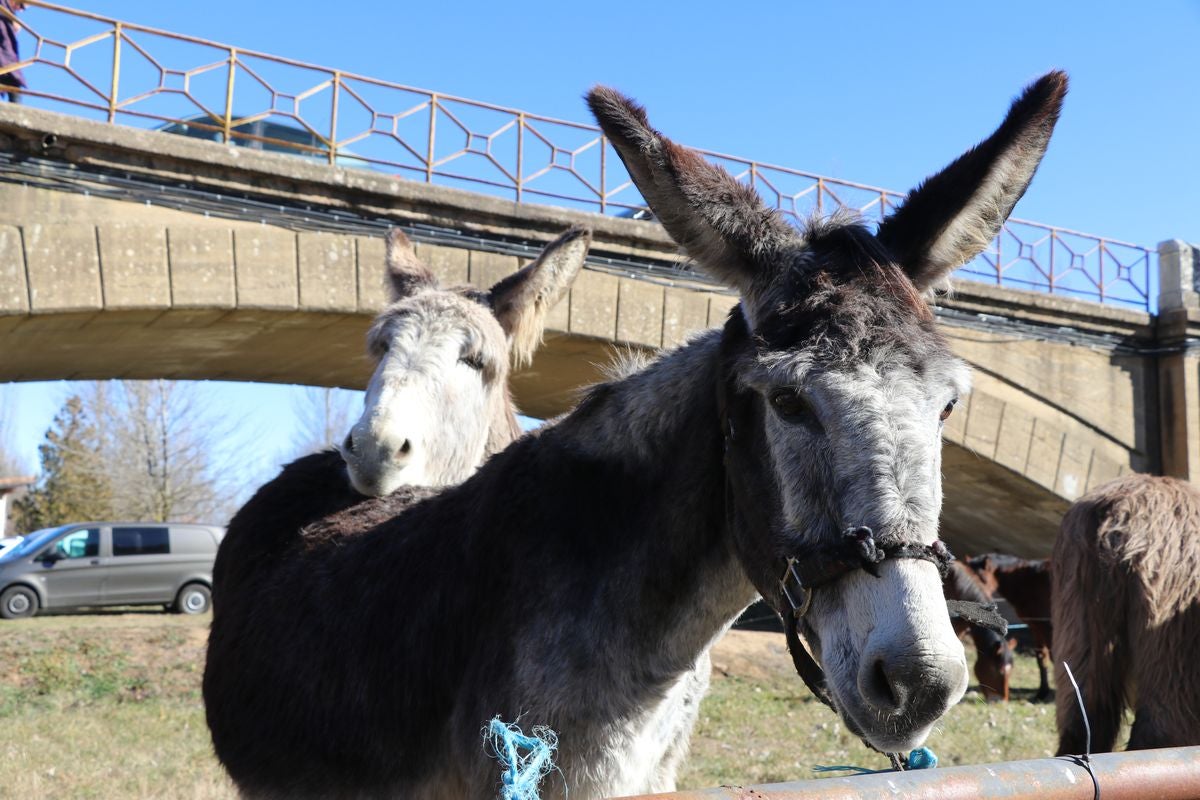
x: 1025, y: 584
x: 994, y: 657
x: 1127, y: 614
x: 579, y: 578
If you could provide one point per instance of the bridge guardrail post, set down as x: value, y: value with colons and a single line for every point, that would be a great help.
x: 1178, y: 275
x: 1178, y: 333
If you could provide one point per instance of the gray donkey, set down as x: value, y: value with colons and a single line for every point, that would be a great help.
x: 437, y: 404
x: 575, y: 580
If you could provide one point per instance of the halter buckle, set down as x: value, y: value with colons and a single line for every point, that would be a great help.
x: 790, y: 576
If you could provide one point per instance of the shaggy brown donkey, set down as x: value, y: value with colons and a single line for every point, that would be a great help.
x: 1127, y: 614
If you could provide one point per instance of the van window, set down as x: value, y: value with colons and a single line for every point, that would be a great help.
x: 79, y: 544
x: 129, y: 541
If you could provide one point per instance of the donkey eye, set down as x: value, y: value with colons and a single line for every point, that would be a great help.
x: 948, y: 410
x: 475, y: 362
x: 793, y: 407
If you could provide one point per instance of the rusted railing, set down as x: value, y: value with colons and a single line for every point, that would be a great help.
x: 1169, y: 774
x: 121, y: 72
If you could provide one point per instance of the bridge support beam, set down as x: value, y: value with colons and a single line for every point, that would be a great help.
x: 1179, y: 362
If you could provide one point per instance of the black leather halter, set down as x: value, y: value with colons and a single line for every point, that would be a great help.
x: 804, y: 571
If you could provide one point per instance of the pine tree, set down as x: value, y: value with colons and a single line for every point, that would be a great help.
x: 74, y: 484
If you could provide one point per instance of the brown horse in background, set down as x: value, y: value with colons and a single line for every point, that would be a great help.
x: 1025, y: 584
x: 993, y: 654
x: 1127, y: 614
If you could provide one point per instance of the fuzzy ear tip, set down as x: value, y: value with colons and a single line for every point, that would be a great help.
x: 1049, y: 90
x: 576, y: 232
x: 611, y: 108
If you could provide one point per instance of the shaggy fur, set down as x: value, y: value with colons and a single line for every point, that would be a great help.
x: 994, y: 657
x: 1127, y: 614
x: 1025, y: 584
x: 578, y: 579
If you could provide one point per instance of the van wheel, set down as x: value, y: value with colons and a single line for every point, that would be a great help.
x: 18, y: 602
x: 195, y: 598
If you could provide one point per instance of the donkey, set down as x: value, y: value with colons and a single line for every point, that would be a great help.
x: 1025, y: 584
x: 437, y: 404
x: 1126, y: 586
x: 994, y: 655
x: 577, y: 577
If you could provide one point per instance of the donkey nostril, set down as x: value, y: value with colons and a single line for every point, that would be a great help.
x: 348, y: 445
x: 884, y: 686
x: 881, y: 691
x: 405, y: 448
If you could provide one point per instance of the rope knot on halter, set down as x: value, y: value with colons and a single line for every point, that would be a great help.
x: 862, y: 539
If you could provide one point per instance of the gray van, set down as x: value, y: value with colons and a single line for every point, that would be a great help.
x: 110, y: 564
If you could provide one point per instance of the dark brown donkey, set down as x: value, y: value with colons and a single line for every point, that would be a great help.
x: 1025, y: 584
x: 1127, y: 614
x: 578, y: 579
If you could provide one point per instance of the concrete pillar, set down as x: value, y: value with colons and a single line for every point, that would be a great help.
x: 1178, y: 275
x: 1179, y: 364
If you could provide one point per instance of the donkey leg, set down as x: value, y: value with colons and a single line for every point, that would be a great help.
x: 1101, y: 683
x: 1043, y: 692
x: 1147, y: 733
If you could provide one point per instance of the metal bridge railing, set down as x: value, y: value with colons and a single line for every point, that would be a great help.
x: 121, y: 72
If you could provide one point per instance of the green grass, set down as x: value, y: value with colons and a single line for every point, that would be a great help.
x: 108, y: 706
x: 770, y: 729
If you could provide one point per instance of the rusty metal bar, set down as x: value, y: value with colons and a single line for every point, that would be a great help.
x: 115, y: 85
x: 1168, y: 774
x: 333, y: 117
x: 227, y: 122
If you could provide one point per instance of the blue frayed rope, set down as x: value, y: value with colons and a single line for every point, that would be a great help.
x: 921, y: 758
x: 526, y: 759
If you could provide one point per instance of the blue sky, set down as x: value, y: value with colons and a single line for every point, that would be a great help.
x: 876, y: 92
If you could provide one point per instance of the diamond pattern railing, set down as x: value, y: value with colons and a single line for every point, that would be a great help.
x: 120, y: 72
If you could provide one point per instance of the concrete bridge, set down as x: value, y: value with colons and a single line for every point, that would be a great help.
x: 136, y: 254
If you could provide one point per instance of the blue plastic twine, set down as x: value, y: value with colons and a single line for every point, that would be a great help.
x: 526, y: 759
x: 921, y: 758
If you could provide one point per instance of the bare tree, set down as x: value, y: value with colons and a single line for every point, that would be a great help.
x: 159, y: 441
x: 323, y: 417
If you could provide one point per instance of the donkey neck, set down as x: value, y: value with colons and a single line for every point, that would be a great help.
x: 639, y: 524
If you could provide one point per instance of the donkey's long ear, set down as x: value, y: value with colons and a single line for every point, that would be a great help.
x: 522, y: 300
x: 406, y: 274
x: 720, y: 222
x: 953, y: 216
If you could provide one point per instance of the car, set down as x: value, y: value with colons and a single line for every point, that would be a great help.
x: 8, y: 543
x: 262, y: 134
x: 89, y: 564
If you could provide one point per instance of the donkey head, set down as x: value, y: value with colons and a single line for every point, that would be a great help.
x: 438, y: 402
x: 837, y: 384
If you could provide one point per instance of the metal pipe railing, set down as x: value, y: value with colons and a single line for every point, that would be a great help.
x: 1167, y: 774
